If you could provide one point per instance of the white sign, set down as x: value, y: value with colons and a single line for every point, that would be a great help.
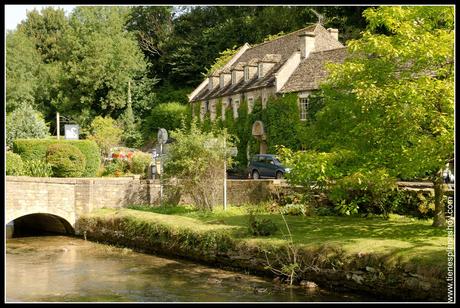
x: 71, y: 131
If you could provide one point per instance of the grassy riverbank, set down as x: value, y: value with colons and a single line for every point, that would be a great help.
x: 363, y: 253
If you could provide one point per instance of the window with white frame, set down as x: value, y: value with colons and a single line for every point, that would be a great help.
x: 246, y: 73
x: 303, y: 104
x: 259, y: 70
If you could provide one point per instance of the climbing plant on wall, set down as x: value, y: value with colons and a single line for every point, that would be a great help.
x: 281, y: 121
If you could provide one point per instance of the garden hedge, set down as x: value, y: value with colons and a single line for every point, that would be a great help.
x: 35, y: 149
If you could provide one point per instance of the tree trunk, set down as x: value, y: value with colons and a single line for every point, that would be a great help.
x: 439, y: 219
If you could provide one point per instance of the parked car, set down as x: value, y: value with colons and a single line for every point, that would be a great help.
x: 266, y: 166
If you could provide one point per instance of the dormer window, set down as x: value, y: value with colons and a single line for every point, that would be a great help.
x: 246, y: 73
x: 222, y: 80
x: 260, y: 70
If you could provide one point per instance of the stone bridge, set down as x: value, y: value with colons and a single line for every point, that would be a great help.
x: 58, y: 202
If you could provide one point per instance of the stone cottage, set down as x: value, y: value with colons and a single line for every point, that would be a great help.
x: 294, y: 62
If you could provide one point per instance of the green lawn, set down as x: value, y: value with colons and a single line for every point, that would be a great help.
x: 398, y: 239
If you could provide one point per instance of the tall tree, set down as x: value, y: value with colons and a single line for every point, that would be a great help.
x: 392, y: 102
x: 47, y: 29
x: 22, y: 69
x: 100, y: 58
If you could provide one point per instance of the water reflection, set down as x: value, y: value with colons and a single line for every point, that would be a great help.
x: 66, y: 269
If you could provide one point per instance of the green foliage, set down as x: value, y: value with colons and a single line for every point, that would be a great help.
x: 47, y: 29
x: 297, y: 209
x: 392, y: 102
x: 31, y: 149
x: 222, y: 59
x: 261, y: 226
x: 271, y: 37
x: 197, y: 159
x: 14, y: 164
x: 22, y: 67
x: 365, y: 192
x: 66, y: 160
x: 116, y: 167
x: 140, y: 162
x: 106, y: 133
x: 101, y: 57
x: 25, y: 122
x: 37, y: 168
x: 167, y: 116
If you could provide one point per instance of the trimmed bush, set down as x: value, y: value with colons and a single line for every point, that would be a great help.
x: 37, y: 168
x: 14, y: 164
x: 66, y: 160
x: 35, y: 149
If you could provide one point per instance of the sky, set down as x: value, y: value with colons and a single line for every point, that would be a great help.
x: 14, y: 14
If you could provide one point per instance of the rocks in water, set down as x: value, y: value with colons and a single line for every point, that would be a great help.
x: 277, y: 280
x: 371, y: 269
x: 308, y: 284
x: 214, y: 280
x: 260, y: 290
x: 357, y: 278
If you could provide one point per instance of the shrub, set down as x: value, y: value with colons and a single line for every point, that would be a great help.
x: 37, y: 168
x: 116, y: 167
x: 106, y: 133
x: 25, y: 122
x: 364, y: 192
x: 139, y: 163
x: 66, y: 160
x: 35, y: 149
x: 14, y: 164
x: 196, y: 158
x: 262, y: 226
x: 297, y: 209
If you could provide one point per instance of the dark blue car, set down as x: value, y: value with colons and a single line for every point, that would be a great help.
x: 266, y: 166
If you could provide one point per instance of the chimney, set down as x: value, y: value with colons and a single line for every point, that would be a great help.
x: 334, y: 33
x: 307, y: 43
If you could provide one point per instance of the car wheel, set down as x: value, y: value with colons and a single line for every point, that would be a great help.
x: 279, y: 175
x: 255, y: 175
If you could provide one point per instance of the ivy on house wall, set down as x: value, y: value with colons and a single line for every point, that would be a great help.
x: 281, y: 120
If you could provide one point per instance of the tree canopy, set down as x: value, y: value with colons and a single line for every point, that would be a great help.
x: 391, y: 104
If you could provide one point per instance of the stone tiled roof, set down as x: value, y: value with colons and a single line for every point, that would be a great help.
x: 312, y: 70
x: 274, y: 58
x: 276, y: 51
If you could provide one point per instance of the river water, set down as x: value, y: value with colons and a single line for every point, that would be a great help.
x: 68, y: 269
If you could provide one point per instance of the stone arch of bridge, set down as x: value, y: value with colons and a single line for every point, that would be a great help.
x: 38, y: 224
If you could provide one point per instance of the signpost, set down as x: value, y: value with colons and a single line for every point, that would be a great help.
x: 162, y: 137
x: 71, y: 131
x: 232, y: 151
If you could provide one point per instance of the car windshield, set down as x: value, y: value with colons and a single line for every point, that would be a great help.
x: 276, y: 161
